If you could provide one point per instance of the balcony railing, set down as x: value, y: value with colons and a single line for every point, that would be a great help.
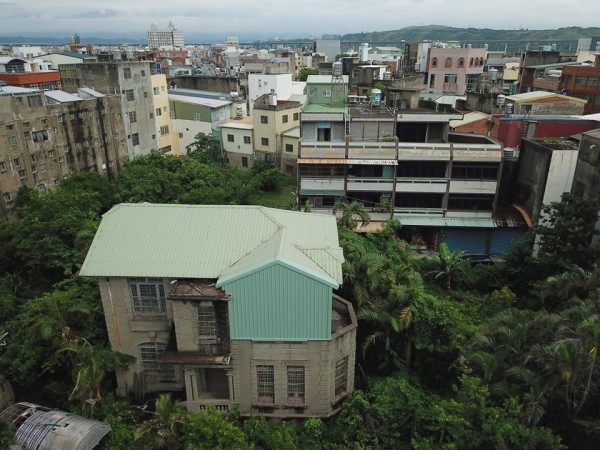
x: 223, y: 406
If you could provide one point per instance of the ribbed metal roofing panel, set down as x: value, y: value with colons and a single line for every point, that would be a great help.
x: 446, y: 221
x: 200, y: 241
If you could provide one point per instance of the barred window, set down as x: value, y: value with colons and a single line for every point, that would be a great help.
x: 129, y: 95
x: 341, y: 376
x: 150, y: 356
x: 295, y: 379
x: 148, y: 295
x: 207, y: 321
x: 265, y: 377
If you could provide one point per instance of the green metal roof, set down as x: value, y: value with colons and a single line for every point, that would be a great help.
x: 463, y: 222
x: 324, y: 108
x: 208, y: 241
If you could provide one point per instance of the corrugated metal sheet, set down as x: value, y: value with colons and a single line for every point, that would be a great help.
x: 321, y: 192
x: 469, y: 241
x: 445, y: 221
x: 201, y: 241
x: 503, y: 239
x: 264, y: 314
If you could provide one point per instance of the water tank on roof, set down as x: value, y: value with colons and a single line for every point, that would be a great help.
x: 500, y: 100
x: 493, y: 74
x: 375, y: 97
x: 508, y: 109
x: 387, y: 75
x: 336, y: 69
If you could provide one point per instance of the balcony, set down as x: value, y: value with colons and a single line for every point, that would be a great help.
x: 325, y: 184
x: 322, y: 149
x: 370, y: 184
x: 223, y: 406
x: 429, y: 185
x: 432, y: 151
x: 450, y: 87
x: 372, y: 150
x: 342, y: 316
x: 473, y: 187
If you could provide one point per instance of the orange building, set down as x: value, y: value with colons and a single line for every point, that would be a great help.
x: 49, y: 79
x: 583, y: 82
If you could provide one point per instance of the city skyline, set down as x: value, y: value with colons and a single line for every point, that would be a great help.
x: 283, y: 18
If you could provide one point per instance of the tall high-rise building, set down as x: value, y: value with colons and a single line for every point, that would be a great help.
x: 171, y: 37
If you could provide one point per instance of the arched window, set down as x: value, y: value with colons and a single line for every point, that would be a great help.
x: 481, y: 61
x: 448, y: 62
x: 150, y: 358
x: 461, y: 62
x: 434, y: 62
x: 471, y: 62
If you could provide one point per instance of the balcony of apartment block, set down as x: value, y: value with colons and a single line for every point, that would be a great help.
x: 450, y: 87
x: 423, y: 151
x: 473, y: 187
x: 325, y: 185
x: 322, y: 149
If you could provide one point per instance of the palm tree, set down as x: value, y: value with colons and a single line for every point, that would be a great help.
x: 450, y: 263
x: 91, y: 365
x: 351, y: 214
x: 164, y: 426
x: 393, y: 319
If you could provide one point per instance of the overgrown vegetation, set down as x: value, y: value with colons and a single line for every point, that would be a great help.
x: 450, y: 356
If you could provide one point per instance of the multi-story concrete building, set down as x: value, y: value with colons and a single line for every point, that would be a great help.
x: 237, y: 141
x: 171, y: 37
x: 192, y: 112
x: 235, y: 309
x: 47, y: 135
x: 583, y: 81
x: 441, y: 186
x: 454, y: 70
x: 272, y: 118
x: 142, y: 93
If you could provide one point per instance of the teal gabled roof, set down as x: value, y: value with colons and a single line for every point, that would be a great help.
x: 216, y: 242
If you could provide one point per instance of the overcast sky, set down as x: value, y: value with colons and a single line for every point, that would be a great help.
x: 284, y: 18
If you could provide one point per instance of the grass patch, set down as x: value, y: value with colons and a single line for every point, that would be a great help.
x: 281, y: 198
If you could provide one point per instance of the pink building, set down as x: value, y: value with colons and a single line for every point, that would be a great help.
x: 454, y: 70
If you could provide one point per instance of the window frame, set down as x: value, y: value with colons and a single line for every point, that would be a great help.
x: 341, y: 377
x: 150, y: 359
x: 296, y: 384
x: 149, y: 304
x: 265, y: 383
x: 206, y: 320
x: 264, y: 119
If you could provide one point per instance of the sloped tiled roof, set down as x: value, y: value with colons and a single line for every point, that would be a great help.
x: 215, y: 242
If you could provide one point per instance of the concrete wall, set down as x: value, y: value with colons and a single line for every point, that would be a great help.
x: 587, y: 175
x: 82, y: 135
x: 319, y: 359
x: 212, y: 84
x: 126, y: 333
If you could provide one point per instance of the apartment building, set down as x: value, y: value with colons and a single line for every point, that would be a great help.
x: 171, y: 37
x: 47, y: 135
x: 454, y: 70
x: 193, y: 113
x: 142, y: 93
x: 442, y: 186
x: 252, y: 324
x: 237, y: 140
x: 272, y: 118
x: 583, y: 81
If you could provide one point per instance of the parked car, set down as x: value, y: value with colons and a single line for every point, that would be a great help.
x: 474, y: 258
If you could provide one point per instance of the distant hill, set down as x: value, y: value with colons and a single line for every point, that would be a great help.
x: 515, y: 39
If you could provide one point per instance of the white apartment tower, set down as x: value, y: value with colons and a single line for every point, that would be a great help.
x: 171, y: 37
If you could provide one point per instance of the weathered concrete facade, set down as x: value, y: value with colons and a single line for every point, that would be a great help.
x: 42, y: 143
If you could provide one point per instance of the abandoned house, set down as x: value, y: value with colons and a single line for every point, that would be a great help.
x: 227, y: 306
